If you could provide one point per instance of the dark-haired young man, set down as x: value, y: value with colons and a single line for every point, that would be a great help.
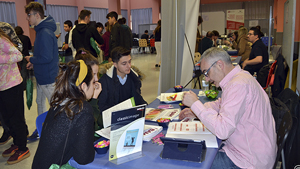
x: 259, y: 54
x: 83, y: 33
x: 120, y: 33
x: 45, y: 55
x: 120, y: 82
x: 68, y: 51
x: 100, y: 28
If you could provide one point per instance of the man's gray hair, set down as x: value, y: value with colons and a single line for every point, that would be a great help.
x: 214, y: 54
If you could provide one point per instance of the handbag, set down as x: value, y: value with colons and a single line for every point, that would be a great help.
x: 67, y: 165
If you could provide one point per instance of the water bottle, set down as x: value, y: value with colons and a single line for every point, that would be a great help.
x: 205, y: 84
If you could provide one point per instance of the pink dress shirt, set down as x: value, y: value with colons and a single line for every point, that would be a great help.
x: 9, y: 72
x: 243, y: 118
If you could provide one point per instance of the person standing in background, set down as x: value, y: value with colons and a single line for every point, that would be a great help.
x: 8, y: 30
x: 45, y: 56
x: 68, y: 51
x: 12, y: 100
x: 157, y: 33
x: 198, y: 39
x: 105, y: 46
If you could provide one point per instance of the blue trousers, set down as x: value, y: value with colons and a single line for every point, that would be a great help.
x: 222, y: 161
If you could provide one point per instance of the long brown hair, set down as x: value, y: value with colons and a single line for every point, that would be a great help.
x: 66, y: 90
x: 3, y: 34
x: 158, y: 26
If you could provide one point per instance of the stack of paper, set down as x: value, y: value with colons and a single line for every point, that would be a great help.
x: 154, y: 114
x: 192, y: 130
x: 150, y: 131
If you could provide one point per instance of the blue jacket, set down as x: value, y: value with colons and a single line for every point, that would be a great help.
x: 45, y: 55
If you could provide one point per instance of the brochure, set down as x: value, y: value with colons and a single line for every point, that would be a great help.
x: 150, y: 131
x: 106, y: 114
x: 192, y: 130
x: 126, y: 136
x: 153, y: 114
x: 171, y: 97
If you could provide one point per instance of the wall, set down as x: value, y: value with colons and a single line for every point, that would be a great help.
x: 154, y: 4
x: 222, y: 1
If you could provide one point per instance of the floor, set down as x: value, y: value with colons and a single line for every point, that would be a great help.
x: 145, y: 62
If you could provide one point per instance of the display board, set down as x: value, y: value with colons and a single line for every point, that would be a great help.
x: 214, y: 21
x: 235, y: 19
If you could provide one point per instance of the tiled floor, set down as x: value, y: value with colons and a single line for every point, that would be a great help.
x: 145, y: 62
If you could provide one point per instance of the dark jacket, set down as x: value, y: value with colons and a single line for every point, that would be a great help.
x: 26, y: 44
x: 120, y: 36
x: 105, y: 46
x: 54, y: 134
x: 45, y: 55
x: 111, y: 89
x: 205, y: 44
x: 81, y: 38
x: 258, y: 49
x: 158, y: 35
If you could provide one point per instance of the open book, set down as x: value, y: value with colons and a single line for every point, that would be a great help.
x: 192, y: 130
x: 150, y: 131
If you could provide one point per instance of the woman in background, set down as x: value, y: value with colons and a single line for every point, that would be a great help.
x: 12, y: 100
x: 105, y: 46
x: 68, y: 130
x: 157, y: 33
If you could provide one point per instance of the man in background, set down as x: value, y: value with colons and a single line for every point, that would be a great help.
x: 82, y: 34
x: 68, y: 51
x: 145, y: 36
x: 259, y: 54
x: 206, y: 42
x: 45, y: 56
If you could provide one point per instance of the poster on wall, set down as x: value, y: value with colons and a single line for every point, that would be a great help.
x: 235, y: 19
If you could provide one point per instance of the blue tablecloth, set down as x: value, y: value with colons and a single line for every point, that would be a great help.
x: 152, y: 151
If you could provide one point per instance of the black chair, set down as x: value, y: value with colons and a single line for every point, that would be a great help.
x: 283, y: 132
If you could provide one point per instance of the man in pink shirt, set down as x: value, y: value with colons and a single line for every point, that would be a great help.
x: 242, y: 117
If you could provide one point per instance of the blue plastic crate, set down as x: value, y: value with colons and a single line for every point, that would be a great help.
x: 265, y: 40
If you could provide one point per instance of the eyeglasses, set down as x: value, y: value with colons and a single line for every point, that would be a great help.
x: 250, y: 34
x: 30, y: 14
x: 206, y: 73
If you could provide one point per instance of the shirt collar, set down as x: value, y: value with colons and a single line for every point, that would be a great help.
x: 122, y: 81
x: 229, y: 76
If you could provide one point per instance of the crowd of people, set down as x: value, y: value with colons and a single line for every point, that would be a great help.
x: 77, y: 97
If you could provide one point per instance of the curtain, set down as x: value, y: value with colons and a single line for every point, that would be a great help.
x: 8, y: 13
x: 98, y: 14
x: 61, y: 14
x: 176, y: 63
x: 140, y: 16
x: 124, y: 13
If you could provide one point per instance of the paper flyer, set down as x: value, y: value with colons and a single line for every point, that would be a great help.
x: 106, y: 114
x: 127, y: 129
x: 153, y: 114
x: 171, y: 97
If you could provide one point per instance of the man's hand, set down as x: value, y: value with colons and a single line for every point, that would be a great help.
x: 29, y: 65
x: 97, y: 90
x: 28, y: 58
x: 187, y: 112
x: 189, y: 98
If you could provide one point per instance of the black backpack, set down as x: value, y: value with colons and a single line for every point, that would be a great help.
x: 262, y: 75
x: 278, y: 111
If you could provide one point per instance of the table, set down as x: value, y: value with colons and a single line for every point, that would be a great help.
x: 232, y: 52
x: 152, y: 151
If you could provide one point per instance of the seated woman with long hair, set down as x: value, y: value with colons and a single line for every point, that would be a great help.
x: 68, y: 130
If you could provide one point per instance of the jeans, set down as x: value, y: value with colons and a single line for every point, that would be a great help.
x: 12, y: 111
x: 43, y: 91
x: 222, y: 161
x: 158, y: 52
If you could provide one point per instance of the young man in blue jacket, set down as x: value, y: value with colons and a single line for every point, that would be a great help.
x: 45, y: 55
